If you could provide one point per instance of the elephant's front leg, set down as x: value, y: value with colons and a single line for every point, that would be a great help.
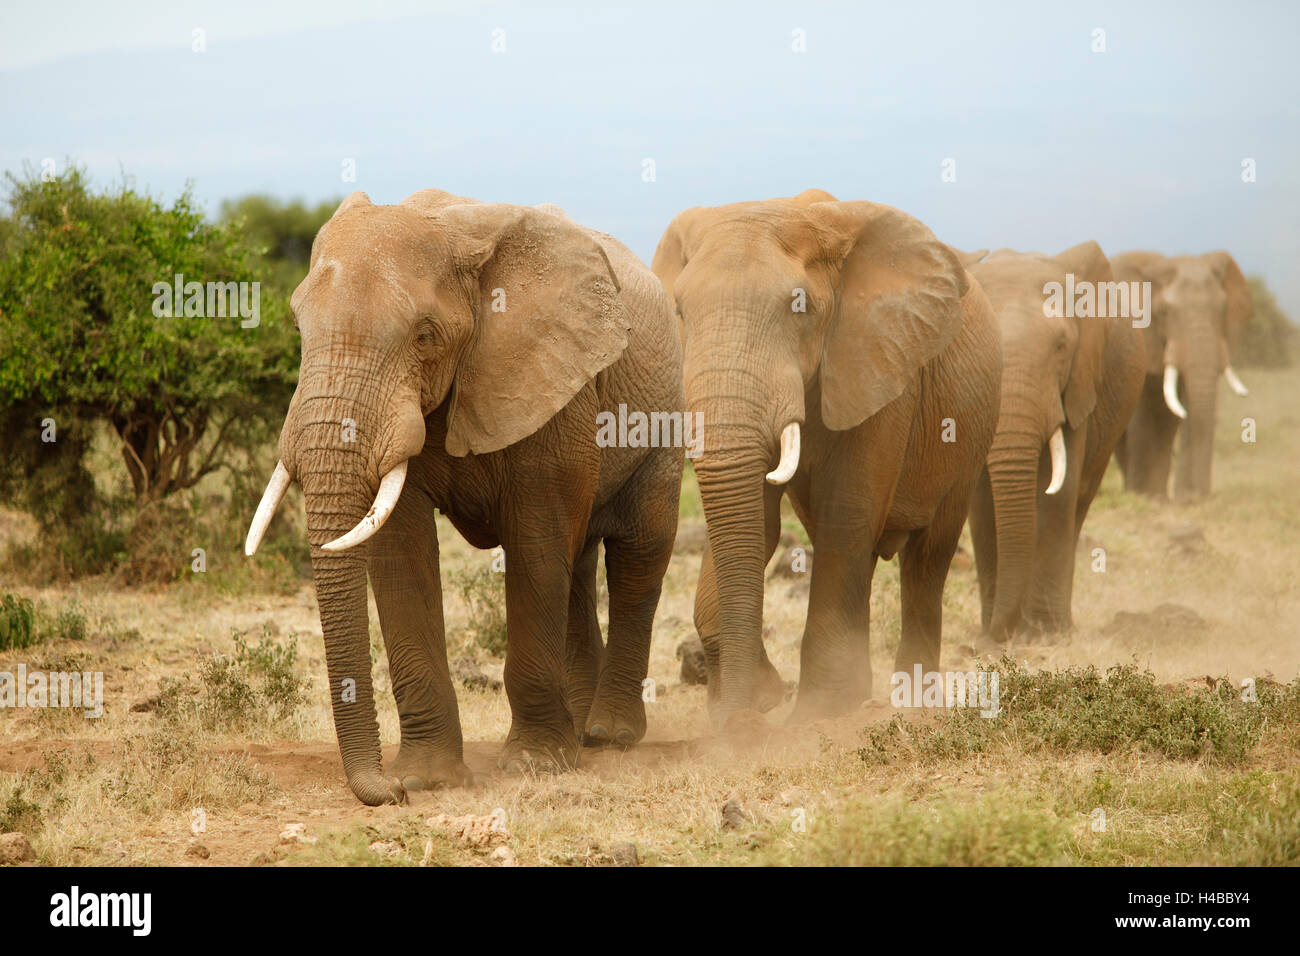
x: 835, y: 657
x: 538, y: 573
x: 408, y: 594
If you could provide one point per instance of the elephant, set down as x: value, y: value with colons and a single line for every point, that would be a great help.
x: 839, y: 354
x: 457, y: 356
x: 1070, y: 381
x: 1198, y: 308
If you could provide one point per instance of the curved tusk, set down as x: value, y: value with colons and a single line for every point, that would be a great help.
x: 1171, y: 392
x: 271, y: 499
x: 390, y: 489
x: 1234, y: 383
x: 789, y: 462
x: 1056, y: 445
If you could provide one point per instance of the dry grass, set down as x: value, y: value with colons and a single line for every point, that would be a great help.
x: 125, y: 788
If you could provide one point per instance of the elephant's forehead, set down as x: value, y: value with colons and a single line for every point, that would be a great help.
x: 1192, y: 270
x: 351, y: 285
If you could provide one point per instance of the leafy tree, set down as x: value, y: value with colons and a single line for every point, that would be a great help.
x: 80, y: 343
x: 282, y: 231
x: 1266, y: 340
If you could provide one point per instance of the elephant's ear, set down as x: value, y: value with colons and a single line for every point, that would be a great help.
x: 898, y: 305
x: 1240, y: 304
x: 548, y: 318
x: 1087, y: 263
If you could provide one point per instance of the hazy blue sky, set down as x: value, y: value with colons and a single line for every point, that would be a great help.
x: 1138, y: 147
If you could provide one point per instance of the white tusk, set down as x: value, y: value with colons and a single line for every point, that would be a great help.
x: 789, y: 462
x: 1171, y: 392
x: 271, y: 499
x: 1234, y: 383
x: 390, y: 489
x: 1056, y: 445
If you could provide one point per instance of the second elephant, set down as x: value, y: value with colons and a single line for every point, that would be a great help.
x: 841, y: 355
x: 1070, y: 381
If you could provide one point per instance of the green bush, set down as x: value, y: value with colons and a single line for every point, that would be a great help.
x: 1269, y: 335
x: 17, y: 622
x: 1080, y: 710
x: 484, y: 593
x: 82, y: 351
x: 256, y: 686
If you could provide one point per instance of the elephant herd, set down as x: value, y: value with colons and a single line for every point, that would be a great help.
x: 459, y: 356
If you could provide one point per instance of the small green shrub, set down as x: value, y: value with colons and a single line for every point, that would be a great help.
x: 17, y: 622
x: 1078, y: 710
x: 484, y: 593
x: 256, y: 685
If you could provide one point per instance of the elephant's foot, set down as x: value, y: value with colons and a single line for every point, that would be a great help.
x: 617, y: 720
x: 539, y: 750
x: 374, y: 788
x: 769, y: 688
x: 817, y: 704
x: 429, y: 770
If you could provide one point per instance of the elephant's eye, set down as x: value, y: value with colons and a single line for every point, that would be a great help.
x: 426, y: 339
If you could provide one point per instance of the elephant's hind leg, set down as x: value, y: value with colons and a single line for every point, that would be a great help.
x: 403, y: 565
x: 923, y: 570
x: 636, y: 557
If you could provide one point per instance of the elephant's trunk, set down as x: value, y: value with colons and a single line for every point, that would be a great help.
x: 732, y: 488
x: 1013, y: 467
x: 337, y: 449
x: 743, y: 408
x: 335, y: 503
x: 1199, y: 374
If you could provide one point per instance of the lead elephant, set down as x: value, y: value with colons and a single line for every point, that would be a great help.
x: 840, y: 354
x: 1070, y: 381
x: 1199, y: 306
x: 456, y: 355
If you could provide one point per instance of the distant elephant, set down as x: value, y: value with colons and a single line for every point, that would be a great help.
x: 840, y: 353
x: 1070, y: 381
x: 456, y: 355
x: 1199, y: 306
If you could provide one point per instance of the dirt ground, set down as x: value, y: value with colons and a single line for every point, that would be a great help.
x: 1188, y: 592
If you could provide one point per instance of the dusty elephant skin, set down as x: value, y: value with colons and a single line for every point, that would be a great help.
x: 455, y: 355
x: 1199, y: 306
x: 1069, y: 386
x: 831, y: 347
